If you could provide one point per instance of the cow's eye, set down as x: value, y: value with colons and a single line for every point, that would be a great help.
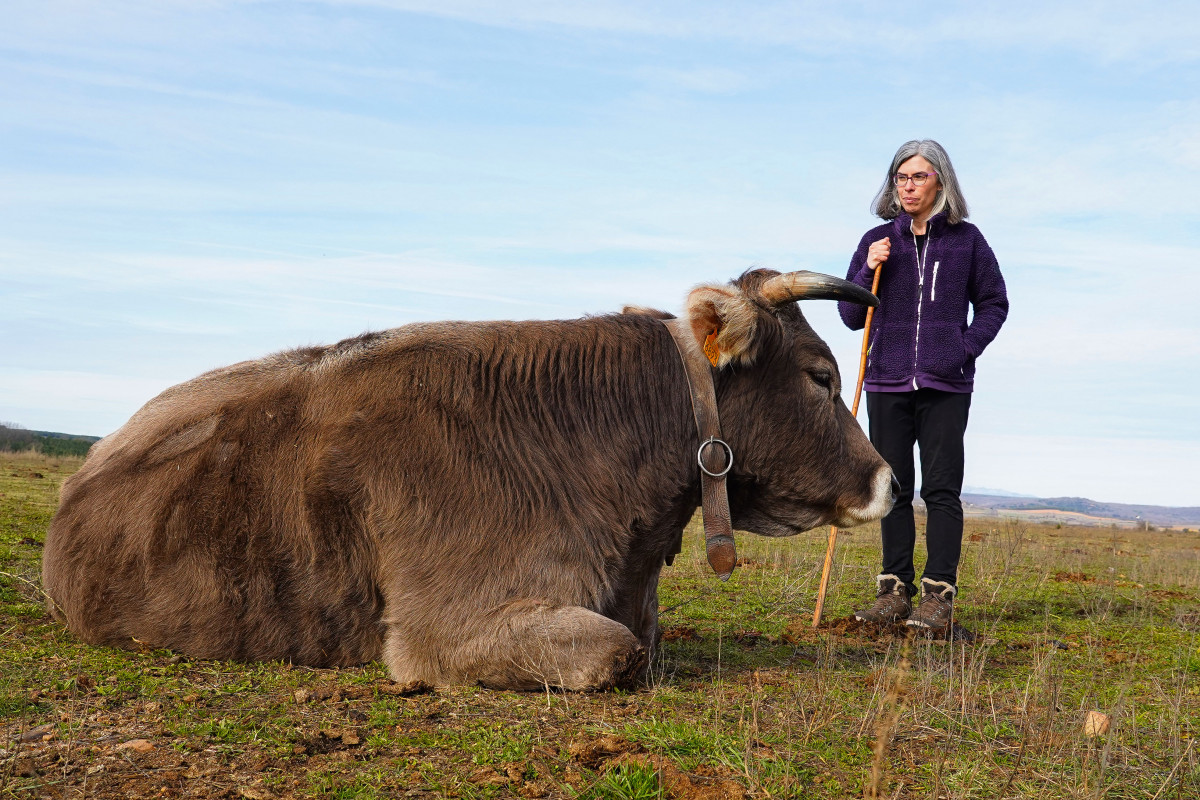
x: 823, y: 378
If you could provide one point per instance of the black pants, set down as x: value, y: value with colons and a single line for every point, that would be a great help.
x: 936, y: 421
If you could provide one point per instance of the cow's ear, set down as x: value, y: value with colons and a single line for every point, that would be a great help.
x: 724, y: 323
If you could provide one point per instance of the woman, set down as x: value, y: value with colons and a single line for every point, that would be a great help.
x: 921, y: 366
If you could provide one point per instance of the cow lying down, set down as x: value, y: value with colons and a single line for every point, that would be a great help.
x: 472, y: 502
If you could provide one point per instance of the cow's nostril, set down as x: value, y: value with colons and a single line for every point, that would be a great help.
x: 895, y: 489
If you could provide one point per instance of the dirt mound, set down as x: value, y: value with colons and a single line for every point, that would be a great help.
x: 800, y: 630
x: 706, y: 782
x: 679, y: 633
x: 594, y: 753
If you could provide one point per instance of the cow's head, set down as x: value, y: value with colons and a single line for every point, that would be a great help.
x: 801, y: 460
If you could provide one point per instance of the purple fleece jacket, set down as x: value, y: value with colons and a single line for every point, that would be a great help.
x: 919, y: 334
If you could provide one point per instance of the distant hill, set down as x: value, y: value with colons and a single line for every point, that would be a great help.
x: 1080, y: 510
x: 995, y: 492
x: 14, y: 438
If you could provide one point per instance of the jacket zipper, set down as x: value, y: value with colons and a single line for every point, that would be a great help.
x: 920, y: 295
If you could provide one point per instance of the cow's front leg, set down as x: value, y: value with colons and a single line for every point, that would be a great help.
x: 637, y: 607
x: 529, y: 644
x: 643, y: 611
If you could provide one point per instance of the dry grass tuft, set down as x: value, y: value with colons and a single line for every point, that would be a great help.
x: 888, y: 719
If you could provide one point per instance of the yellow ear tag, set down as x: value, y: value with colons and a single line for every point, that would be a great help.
x: 711, y: 350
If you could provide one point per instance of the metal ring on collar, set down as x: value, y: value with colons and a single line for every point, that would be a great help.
x: 728, y: 457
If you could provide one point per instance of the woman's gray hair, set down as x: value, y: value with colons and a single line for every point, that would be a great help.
x: 950, y: 199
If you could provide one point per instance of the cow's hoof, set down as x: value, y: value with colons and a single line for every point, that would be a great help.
x: 629, y: 668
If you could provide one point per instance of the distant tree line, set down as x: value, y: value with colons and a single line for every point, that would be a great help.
x: 15, y: 439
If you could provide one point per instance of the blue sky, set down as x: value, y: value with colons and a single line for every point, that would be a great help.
x: 188, y: 184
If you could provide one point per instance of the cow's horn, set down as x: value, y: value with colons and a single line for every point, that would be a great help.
x: 805, y: 285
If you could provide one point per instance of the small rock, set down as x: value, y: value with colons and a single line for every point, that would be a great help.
x: 302, y: 695
x: 136, y: 745
x: 1096, y: 724
x: 960, y: 634
x: 39, y: 734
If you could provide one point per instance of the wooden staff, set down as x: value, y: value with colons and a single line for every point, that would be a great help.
x: 862, y: 371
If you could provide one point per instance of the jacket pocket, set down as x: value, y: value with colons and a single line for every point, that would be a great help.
x: 943, y: 353
x: 891, y: 357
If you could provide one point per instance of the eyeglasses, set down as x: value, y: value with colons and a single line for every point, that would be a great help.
x: 918, y: 178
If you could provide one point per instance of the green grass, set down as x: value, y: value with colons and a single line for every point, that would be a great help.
x: 744, y: 698
x: 626, y: 782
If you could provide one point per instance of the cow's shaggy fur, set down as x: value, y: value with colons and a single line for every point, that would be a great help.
x: 472, y: 502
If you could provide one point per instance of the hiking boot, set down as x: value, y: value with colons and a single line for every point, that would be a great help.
x: 936, y: 608
x: 892, y: 602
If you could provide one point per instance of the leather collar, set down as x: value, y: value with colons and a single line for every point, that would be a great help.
x: 714, y: 457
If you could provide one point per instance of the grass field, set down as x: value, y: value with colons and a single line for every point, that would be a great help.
x: 745, y: 699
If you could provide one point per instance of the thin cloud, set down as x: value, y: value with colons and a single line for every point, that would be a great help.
x: 701, y: 79
x: 1111, y: 31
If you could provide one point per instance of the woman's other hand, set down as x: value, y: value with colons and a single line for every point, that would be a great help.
x: 878, y: 252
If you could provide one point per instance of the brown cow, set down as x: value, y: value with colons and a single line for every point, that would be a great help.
x: 484, y: 502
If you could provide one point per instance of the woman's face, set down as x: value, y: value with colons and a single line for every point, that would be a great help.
x: 917, y: 201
